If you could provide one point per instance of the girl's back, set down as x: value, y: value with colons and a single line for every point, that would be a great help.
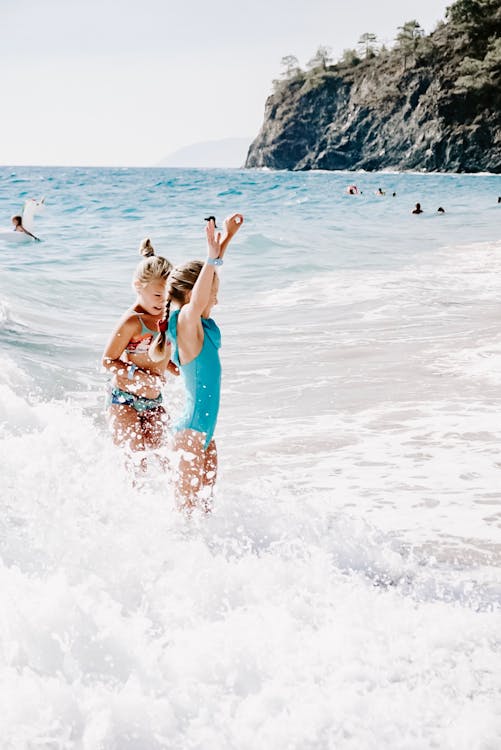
x: 202, y: 379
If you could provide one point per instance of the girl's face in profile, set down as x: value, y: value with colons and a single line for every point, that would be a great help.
x: 152, y: 296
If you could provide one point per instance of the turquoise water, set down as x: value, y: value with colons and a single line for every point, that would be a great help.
x: 298, y: 226
x: 345, y: 593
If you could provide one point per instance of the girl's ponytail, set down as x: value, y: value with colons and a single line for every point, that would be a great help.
x: 151, y: 267
x: 158, y: 346
x: 146, y: 248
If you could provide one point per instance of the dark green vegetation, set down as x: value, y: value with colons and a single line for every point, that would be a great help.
x: 429, y: 103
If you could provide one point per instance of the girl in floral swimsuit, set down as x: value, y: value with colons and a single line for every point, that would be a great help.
x: 135, y: 412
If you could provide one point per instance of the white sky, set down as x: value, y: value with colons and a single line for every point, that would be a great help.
x: 122, y: 82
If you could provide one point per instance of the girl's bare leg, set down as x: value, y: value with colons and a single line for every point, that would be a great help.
x: 196, y: 469
x: 127, y: 432
x: 125, y: 424
x: 153, y: 426
x: 209, y: 475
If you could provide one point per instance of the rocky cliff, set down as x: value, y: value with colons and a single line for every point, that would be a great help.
x: 436, y: 109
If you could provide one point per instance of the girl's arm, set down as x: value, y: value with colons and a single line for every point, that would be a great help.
x: 189, y: 326
x: 112, y: 361
x: 190, y: 330
x: 231, y: 226
x: 200, y: 294
x: 30, y: 235
x: 216, y: 248
x: 116, y: 346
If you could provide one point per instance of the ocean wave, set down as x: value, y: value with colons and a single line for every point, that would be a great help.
x: 122, y: 619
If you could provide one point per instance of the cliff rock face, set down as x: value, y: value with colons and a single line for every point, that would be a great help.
x: 391, y: 112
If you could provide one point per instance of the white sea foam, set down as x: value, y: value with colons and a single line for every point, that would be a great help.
x: 278, y: 620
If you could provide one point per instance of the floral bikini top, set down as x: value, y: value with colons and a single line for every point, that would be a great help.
x: 141, y: 344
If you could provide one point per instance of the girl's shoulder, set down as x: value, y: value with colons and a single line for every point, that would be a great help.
x: 184, y: 327
x: 183, y: 320
x: 130, y: 322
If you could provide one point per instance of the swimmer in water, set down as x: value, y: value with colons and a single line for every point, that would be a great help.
x: 18, y: 227
x: 417, y: 209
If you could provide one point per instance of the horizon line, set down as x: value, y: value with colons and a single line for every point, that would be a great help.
x: 107, y: 166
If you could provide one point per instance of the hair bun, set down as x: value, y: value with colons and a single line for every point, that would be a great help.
x: 146, y: 248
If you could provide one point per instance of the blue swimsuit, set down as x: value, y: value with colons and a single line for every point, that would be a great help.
x: 202, y: 380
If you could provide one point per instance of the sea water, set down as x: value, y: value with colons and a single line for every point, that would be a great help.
x: 345, y: 592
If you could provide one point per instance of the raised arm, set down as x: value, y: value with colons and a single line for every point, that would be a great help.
x: 216, y: 247
x: 231, y: 226
x: 200, y: 294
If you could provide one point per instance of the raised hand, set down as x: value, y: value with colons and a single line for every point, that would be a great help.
x: 233, y: 223
x: 213, y: 239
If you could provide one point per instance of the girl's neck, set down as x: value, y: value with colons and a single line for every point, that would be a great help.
x: 140, y: 310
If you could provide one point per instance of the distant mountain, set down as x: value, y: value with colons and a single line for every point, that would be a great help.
x: 226, y: 153
x: 431, y: 103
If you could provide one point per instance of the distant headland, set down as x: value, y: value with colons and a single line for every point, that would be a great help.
x: 224, y: 153
x: 431, y: 102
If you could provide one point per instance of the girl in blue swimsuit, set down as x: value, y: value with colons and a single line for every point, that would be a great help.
x: 195, y: 338
x: 135, y: 412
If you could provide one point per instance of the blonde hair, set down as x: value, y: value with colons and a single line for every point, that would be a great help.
x: 146, y: 248
x: 181, y: 281
x: 152, y: 267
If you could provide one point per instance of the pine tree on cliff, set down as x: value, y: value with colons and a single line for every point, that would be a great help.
x: 408, y: 39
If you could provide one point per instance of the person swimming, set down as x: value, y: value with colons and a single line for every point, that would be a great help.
x: 440, y: 210
x: 18, y: 227
x: 417, y: 209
